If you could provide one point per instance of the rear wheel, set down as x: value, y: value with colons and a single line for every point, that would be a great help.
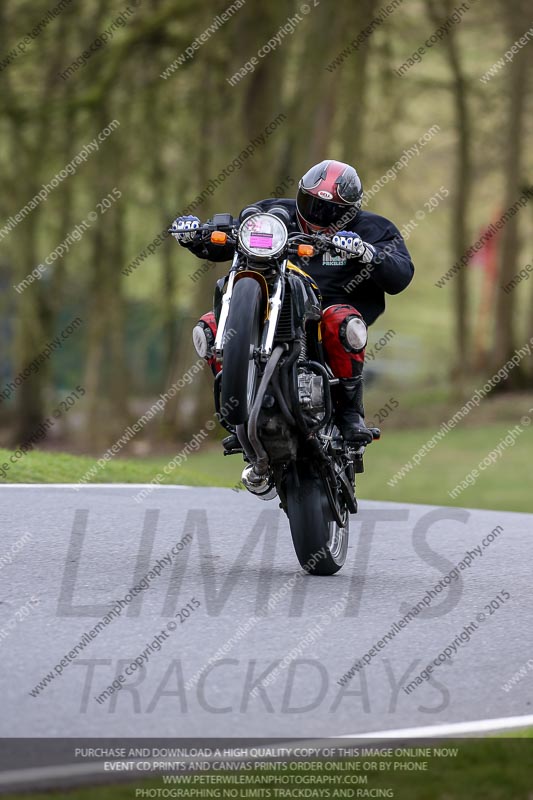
x: 321, y: 543
x: 240, y: 373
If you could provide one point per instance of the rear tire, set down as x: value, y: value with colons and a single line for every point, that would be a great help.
x: 239, y: 372
x: 319, y: 541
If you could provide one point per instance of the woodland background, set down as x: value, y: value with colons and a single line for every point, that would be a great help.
x: 178, y: 132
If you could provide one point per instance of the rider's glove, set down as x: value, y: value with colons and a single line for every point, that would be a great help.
x: 355, y: 246
x: 184, y: 229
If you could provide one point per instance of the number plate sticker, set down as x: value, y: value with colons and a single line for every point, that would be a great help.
x: 261, y: 240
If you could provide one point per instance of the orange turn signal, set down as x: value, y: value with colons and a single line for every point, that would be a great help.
x: 306, y: 250
x: 218, y: 237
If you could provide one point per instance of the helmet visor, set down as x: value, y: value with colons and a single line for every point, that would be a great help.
x: 349, y: 186
x: 322, y: 213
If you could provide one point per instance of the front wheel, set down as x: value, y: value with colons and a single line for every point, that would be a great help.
x: 243, y: 333
x: 320, y: 542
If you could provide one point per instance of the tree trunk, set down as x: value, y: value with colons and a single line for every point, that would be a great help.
x: 463, y: 189
x: 106, y: 375
x: 505, y: 325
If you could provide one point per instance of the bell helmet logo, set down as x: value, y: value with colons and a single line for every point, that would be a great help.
x: 325, y: 195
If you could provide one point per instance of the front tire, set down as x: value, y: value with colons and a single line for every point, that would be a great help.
x: 321, y: 544
x: 240, y: 373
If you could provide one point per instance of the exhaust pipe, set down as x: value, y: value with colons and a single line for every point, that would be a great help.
x: 261, y: 465
x: 260, y: 485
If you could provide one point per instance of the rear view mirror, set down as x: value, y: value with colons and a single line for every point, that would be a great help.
x: 222, y: 220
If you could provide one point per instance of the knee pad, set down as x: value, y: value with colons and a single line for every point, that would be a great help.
x: 347, y: 324
x: 353, y: 334
x: 344, y: 335
x: 204, y: 334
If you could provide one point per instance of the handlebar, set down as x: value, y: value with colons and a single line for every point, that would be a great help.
x: 322, y: 241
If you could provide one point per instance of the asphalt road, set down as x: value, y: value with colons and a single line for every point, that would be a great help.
x: 77, y: 553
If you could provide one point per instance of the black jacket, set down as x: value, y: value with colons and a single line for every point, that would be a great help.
x: 342, y: 280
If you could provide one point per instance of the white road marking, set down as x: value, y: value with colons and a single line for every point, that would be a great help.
x: 447, y: 729
x: 98, y: 486
x: 37, y: 774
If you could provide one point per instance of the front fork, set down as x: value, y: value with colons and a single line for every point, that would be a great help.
x: 275, y: 301
x: 226, y: 300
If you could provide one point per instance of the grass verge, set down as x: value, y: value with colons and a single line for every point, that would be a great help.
x: 504, y: 485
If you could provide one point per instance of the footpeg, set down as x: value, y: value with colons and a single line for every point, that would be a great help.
x: 231, y: 445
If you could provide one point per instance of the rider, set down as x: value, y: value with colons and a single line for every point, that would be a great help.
x: 352, y: 284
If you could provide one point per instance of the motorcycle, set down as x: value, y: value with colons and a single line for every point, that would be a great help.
x: 274, y: 391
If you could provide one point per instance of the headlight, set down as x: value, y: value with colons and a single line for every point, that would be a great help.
x: 263, y: 236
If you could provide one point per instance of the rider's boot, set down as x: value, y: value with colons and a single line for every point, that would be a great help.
x: 350, y: 413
